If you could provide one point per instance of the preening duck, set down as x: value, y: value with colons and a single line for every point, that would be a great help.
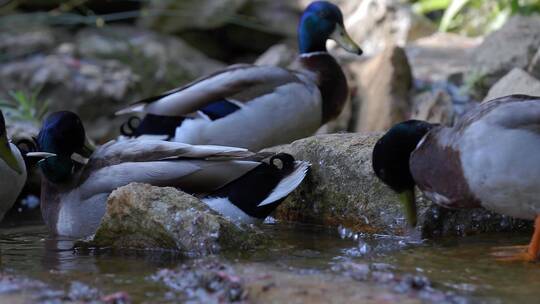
x: 12, y: 170
x: 233, y: 181
x: 490, y: 158
x: 253, y: 106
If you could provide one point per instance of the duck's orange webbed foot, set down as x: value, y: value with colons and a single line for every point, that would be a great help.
x: 521, y: 253
x: 513, y: 254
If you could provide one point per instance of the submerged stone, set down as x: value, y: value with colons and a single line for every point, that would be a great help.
x: 140, y: 216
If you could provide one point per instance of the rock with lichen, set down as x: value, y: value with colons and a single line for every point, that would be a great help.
x: 140, y: 216
x: 342, y: 190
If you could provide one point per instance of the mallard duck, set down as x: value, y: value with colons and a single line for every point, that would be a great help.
x: 490, y: 158
x: 233, y: 181
x: 253, y: 106
x: 12, y: 170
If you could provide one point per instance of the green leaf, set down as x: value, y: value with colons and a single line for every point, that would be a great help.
x: 427, y: 6
x: 451, y: 12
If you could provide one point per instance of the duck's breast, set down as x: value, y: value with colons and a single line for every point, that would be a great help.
x: 80, y: 217
x: 437, y: 170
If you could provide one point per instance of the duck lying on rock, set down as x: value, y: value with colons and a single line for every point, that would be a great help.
x: 490, y: 158
x: 233, y: 181
x: 253, y: 106
x: 12, y: 170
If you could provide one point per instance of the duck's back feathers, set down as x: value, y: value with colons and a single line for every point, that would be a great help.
x: 196, y: 168
x: 490, y: 157
x: 240, y: 83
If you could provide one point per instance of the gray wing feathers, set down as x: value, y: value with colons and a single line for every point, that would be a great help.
x: 523, y: 114
x: 241, y: 83
x: 137, y: 150
x: 188, y: 175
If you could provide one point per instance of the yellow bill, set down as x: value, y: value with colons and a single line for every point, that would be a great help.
x: 342, y: 38
x: 8, y: 157
x: 408, y: 201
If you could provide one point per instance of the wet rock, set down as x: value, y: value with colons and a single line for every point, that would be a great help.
x: 513, y: 46
x: 384, y: 85
x: 203, y: 282
x: 274, y: 285
x: 516, y: 81
x: 438, y: 56
x: 173, y: 16
x: 141, y: 216
x: 342, y: 190
x: 434, y: 106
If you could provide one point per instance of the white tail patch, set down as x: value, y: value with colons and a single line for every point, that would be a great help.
x: 226, y: 208
x: 40, y: 154
x: 131, y: 109
x: 288, y: 184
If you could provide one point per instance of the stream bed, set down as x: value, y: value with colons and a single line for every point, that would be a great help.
x: 305, y: 264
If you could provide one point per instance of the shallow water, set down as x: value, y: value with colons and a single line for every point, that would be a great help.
x: 460, y: 266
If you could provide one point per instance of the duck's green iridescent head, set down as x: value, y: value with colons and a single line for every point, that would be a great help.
x: 6, y: 154
x: 321, y: 21
x: 62, y: 135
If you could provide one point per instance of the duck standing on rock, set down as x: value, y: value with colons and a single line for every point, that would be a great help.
x: 233, y: 181
x: 12, y: 170
x: 490, y: 158
x: 253, y: 106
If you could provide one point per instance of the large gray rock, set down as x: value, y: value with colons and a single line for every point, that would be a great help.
x: 379, y: 24
x: 534, y: 65
x: 277, y: 16
x: 177, y: 16
x: 438, y: 56
x: 384, y: 84
x: 434, y: 106
x: 516, y: 81
x: 92, y: 88
x: 98, y: 71
x: 19, y: 42
x: 513, y: 46
x: 341, y: 189
x: 162, y: 62
x: 141, y: 216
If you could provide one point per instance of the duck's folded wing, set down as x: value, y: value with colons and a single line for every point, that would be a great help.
x: 516, y: 112
x: 239, y: 84
x: 192, y: 176
x: 148, y: 150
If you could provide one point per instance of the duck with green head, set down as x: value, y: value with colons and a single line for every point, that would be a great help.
x: 253, y: 106
x: 233, y: 181
x: 12, y: 170
x: 490, y: 158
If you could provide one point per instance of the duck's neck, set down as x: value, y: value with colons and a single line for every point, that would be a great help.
x: 330, y: 79
x: 50, y: 203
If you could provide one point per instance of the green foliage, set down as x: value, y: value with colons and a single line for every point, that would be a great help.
x: 25, y: 106
x: 475, y: 17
